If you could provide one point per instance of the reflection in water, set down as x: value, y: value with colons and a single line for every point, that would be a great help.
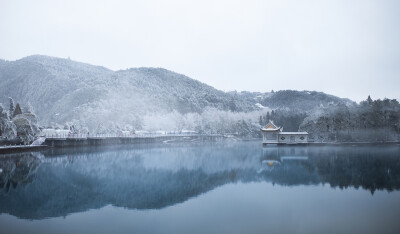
x: 59, y: 182
x: 370, y: 168
x: 17, y: 169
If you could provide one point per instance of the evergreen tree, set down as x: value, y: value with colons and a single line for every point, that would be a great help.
x: 369, y: 100
x: 12, y: 108
x: 17, y: 110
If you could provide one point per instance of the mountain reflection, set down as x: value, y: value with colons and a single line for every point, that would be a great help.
x: 59, y: 182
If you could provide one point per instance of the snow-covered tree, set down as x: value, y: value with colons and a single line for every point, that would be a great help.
x: 17, y: 110
x: 7, y: 128
x: 24, y: 129
x: 12, y: 108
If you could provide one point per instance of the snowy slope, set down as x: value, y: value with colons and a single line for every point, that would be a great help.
x: 62, y: 90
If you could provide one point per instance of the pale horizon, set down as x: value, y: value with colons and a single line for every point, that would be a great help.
x: 347, y: 49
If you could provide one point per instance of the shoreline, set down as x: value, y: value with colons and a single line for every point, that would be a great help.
x: 21, y: 148
x: 72, y: 143
x: 379, y: 143
x: 354, y: 143
x: 104, y: 141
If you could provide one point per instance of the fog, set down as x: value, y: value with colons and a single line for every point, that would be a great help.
x: 349, y: 49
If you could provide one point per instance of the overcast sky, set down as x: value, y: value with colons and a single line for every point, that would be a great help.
x: 346, y: 48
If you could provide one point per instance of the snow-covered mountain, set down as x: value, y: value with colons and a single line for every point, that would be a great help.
x: 62, y: 90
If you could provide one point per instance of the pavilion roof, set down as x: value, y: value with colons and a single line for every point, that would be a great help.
x: 270, y: 127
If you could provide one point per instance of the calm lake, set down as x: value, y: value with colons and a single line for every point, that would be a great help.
x: 224, y: 187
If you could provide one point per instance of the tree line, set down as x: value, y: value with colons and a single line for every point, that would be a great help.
x: 371, y: 120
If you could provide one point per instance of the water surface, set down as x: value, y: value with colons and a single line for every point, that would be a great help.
x: 226, y: 187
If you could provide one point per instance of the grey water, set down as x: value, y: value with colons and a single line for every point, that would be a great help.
x: 220, y: 187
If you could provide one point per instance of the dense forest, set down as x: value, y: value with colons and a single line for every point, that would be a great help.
x: 289, y: 120
x: 371, y: 120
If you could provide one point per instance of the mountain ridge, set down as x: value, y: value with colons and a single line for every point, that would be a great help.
x: 62, y: 90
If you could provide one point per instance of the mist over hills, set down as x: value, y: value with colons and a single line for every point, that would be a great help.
x: 61, y: 91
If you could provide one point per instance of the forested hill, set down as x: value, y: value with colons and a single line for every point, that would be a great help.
x: 299, y: 101
x: 61, y: 90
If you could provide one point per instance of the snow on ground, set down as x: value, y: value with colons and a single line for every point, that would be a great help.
x: 261, y: 106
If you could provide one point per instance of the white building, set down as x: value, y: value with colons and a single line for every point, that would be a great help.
x: 274, y: 135
x: 51, y: 132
